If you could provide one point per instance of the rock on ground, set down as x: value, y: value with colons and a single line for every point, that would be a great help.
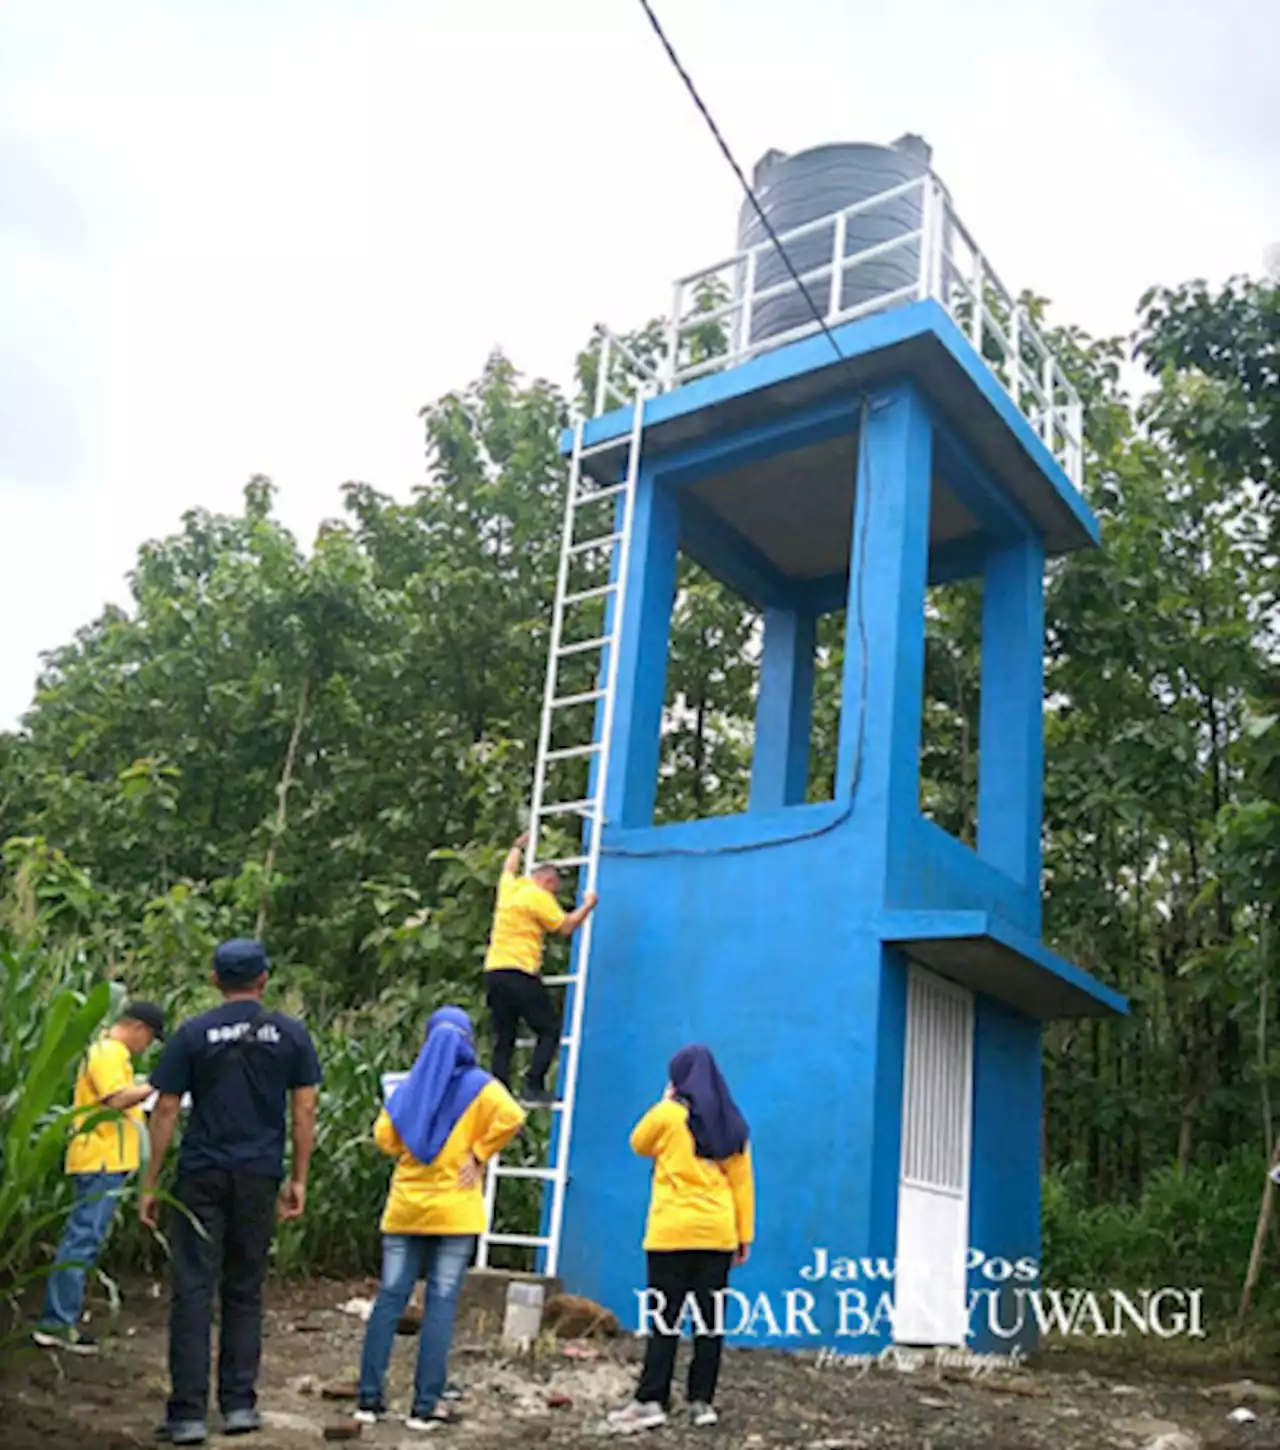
x: 570, y: 1316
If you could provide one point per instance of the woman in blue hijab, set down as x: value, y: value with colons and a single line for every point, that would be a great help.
x: 442, y: 1125
x: 701, y: 1222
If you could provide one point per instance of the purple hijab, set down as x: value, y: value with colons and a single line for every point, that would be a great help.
x: 719, y: 1129
x: 442, y: 1085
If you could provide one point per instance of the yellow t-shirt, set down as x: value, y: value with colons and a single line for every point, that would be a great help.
x: 114, y: 1145
x: 693, y: 1202
x: 426, y: 1198
x: 524, y: 914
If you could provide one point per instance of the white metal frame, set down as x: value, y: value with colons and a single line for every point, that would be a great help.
x: 590, y: 809
x: 952, y: 270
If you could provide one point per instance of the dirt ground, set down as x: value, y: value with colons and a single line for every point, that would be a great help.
x: 555, y: 1398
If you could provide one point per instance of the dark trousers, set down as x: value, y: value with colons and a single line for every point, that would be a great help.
x: 515, y: 996
x: 238, y: 1214
x: 676, y: 1274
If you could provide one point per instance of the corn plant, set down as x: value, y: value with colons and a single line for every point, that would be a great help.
x: 50, y: 1010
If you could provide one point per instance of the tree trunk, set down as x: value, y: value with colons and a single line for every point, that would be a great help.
x: 1120, y: 1140
x: 282, y: 804
x: 700, y: 729
x: 1095, y: 1133
x: 1209, y: 1053
x: 1264, y: 992
x: 1264, y: 1076
x: 1186, y: 1129
x: 1259, y: 1240
x: 1138, y: 1159
x: 699, y: 753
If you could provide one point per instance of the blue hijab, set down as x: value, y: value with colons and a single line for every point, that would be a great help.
x: 442, y: 1085
x: 719, y: 1129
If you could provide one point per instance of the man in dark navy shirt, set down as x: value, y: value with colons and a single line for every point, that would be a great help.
x: 241, y: 1065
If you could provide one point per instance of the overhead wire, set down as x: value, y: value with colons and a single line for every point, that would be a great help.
x: 862, y: 470
x: 747, y: 188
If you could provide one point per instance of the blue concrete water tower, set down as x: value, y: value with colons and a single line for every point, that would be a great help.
x: 874, y: 988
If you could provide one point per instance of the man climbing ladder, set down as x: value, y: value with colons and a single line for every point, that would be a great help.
x: 526, y: 911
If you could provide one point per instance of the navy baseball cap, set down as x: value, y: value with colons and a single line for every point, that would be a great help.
x: 240, y: 961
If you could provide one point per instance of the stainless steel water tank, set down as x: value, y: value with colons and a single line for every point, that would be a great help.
x: 793, y: 190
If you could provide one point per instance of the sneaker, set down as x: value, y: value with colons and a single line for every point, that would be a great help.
x: 64, y: 1336
x: 241, y: 1422
x: 436, y: 1420
x: 702, y: 1415
x: 451, y: 1392
x: 369, y: 1415
x: 638, y: 1415
x: 537, y: 1097
x: 182, y: 1432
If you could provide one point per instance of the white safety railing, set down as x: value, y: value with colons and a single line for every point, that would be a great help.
x: 620, y: 374
x: 715, y: 316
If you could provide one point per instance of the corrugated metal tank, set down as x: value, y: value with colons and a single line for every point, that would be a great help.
x: 793, y: 190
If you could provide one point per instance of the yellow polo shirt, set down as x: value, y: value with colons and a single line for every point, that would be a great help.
x: 694, y: 1203
x: 524, y: 914
x: 426, y: 1198
x: 112, y: 1146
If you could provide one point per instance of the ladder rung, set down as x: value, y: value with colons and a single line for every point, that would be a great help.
x: 583, y: 699
x: 543, y: 1173
x: 597, y: 593
x: 561, y: 980
x: 583, y: 645
x: 554, y: 1107
x: 566, y: 861
x: 583, y: 545
x: 597, y: 495
x: 531, y: 1241
x: 572, y: 807
x: 592, y: 449
x: 572, y: 750
x: 533, y: 1041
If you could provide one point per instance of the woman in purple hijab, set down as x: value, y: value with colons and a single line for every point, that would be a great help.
x: 719, y: 1129
x: 441, y: 1125
x: 701, y: 1222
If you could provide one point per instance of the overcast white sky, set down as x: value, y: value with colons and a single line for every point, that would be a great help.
x: 245, y: 236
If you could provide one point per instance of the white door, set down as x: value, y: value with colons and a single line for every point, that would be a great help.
x: 933, y: 1185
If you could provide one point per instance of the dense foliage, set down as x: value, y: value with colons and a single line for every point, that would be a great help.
x: 333, y: 748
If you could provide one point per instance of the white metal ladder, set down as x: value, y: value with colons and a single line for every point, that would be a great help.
x: 616, y: 542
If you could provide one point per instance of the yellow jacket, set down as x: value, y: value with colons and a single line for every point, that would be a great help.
x: 524, y: 913
x: 694, y: 1203
x: 113, y: 1145
x: 426, y: 1198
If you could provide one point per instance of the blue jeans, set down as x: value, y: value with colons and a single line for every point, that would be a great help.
x: 96, y: 1196
x: 406, y: 1258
